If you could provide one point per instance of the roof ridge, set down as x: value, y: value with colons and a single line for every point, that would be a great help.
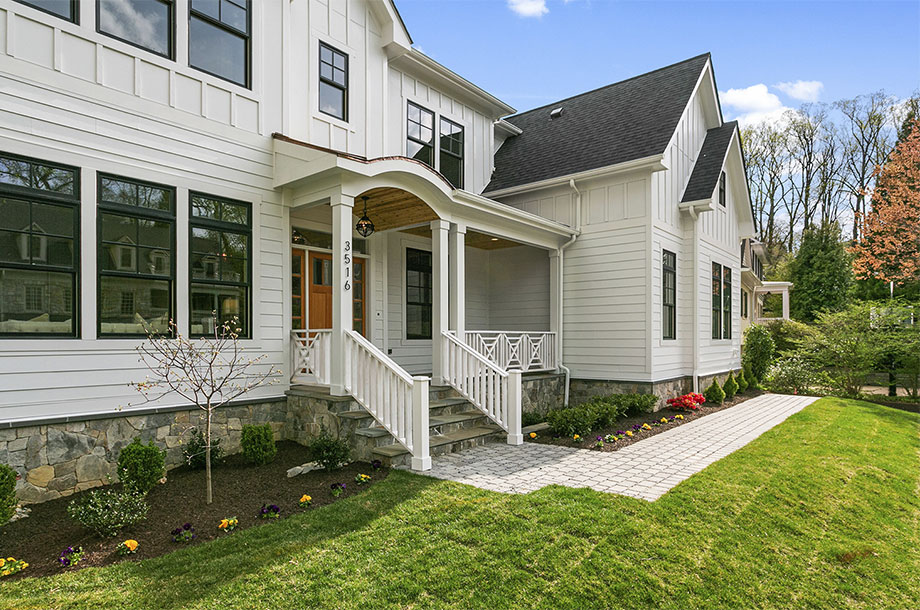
x: 510, y: 119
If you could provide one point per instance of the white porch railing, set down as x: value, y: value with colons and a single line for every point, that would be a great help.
x: 527, y: 351
x: 398, y: 401
x: 493, y: 390
x: 311, y: 356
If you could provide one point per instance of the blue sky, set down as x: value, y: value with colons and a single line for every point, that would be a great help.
x: 533, y: 52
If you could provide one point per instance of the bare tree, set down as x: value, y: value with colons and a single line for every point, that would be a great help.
x: 867, y: 141
x: 766, y: 157
x: 208, y: 372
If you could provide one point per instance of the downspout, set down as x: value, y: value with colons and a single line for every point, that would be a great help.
x: 696, y: 299
x: 561, y: 251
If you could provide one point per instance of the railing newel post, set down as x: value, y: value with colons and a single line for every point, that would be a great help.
x: 515, y: 436
x: 421, y: 459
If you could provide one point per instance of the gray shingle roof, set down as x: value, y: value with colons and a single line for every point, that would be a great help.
x: 628, y: 120
x: 708, y: 166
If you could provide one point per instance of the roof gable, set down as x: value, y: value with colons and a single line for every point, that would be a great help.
x: 628, y: 120
x: 708, y: 166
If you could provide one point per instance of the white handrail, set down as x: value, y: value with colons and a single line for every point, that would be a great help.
x: 511, y: 349
x: 311, y: 355
x: 398, y: 401
x: 491, y: 389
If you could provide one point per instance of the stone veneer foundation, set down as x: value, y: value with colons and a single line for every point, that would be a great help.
x: 583, y: 390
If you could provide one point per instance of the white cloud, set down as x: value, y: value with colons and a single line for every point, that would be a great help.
x: 528, y: 8
x: 753, y: 104
x: 802, y: 90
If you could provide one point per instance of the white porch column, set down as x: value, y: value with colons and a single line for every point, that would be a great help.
x: 785, y: 304
x: 342, y: 255
x: 439, y: 298
x: 457, y: 247
x: 555, y: 301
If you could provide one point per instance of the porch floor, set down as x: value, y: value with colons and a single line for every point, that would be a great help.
x: 645, y: 470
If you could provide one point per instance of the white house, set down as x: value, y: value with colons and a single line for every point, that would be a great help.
x: 163, y: 160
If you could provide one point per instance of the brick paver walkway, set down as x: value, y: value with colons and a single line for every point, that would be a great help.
x: 647, y: 469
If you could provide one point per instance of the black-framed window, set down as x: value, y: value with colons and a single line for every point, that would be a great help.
x: 333, y: 82
x: 451, y: 148
x: 137, y: 267
x: 418, y: 294
x: 716, y: 301
x: 668, y: 295
x: 39, y: 247
x: 220, y: 267
x: 721, y: 301
x: 420, y: 134
x: 726, y: 302
x: 722, y: 189
x: 148, y: 24
x: 745, y: 308
x: 65, y: 9
x: 219, y: 34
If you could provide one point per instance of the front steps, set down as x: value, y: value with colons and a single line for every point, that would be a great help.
x: 454, y: 424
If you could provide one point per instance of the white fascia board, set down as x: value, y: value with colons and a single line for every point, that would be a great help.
x: 653, y: 163
x: 452, y: 82
x: 478, y: 202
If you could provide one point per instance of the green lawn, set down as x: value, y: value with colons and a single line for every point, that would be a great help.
x: 822, y: 511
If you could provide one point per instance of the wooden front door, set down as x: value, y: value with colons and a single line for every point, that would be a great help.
x: 311, y: 291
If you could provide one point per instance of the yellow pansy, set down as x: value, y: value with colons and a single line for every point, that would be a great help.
x: 305, y: 498
x: 533, y: 435
x: 131, y: 544
x: 223, y: 523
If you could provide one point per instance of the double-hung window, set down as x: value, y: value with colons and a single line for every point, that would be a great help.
x: 221, y: 243
x: 420, y: 134
x: 148, y: 24
x: 721, y: 301
x: 136, y: 257
x: 333, y: 82
x: 418, y: 294
x: 39, y: 260
x: 65, y: 9
x: 451, y: 157
x: 219, y: 39
x: 668, y: 295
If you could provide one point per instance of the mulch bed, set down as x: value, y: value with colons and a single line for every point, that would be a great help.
x: 547, y: 437
x: 240, y: 490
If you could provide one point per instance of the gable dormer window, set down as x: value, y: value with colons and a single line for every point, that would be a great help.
x: 148, y: 24
x: 65, y: 9
x: 219, y: 39
x: 420, y: 134
x: 722, y: 189
x: 333, y: 82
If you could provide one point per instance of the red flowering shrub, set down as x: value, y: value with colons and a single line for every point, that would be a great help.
x: 687, y: 402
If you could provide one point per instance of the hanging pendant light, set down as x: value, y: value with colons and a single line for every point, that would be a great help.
x: 364, y: 227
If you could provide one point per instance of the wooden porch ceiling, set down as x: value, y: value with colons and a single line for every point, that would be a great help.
x: 391, y: 208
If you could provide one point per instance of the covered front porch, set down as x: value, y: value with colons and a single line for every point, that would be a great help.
x: 450, y: 288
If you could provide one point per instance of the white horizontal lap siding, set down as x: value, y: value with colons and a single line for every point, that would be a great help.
x: 606, y: 319
x: 518, y: 289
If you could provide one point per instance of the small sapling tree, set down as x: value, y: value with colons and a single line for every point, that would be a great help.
x: 209, y: 372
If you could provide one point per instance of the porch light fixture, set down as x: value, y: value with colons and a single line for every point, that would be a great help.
x: 364, y: 227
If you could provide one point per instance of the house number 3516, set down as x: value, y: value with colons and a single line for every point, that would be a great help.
x: 347, y: 265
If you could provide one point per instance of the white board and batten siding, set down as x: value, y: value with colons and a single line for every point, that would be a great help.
x: 605, y: 284
x: 70, y: 95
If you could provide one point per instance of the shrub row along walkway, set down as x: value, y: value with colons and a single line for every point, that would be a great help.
x: 646, y: 470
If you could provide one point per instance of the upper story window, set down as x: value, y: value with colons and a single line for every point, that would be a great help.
x: 136, y: 257
x: 722, y: 189
x: 219, y: 39
x: 221, y: 240
x: 451, y: 157
x: 668, y: 295
x: 66, y: 9
x: 39, y: 262
x: 147, y: 24
x: 333, y: 82
x: 420, y: 134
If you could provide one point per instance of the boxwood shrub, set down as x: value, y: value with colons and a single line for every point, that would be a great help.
x: 141, y: 466
x: 598, y: 413
x: 106, y: 511
x: 7, y: 493
x: 258, y: 444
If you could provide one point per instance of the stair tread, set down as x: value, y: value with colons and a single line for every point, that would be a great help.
x: 442, y: 439
x: 354, y: 414
x: 446, y: 402
x: 374, y: 432
x: 437, y: 420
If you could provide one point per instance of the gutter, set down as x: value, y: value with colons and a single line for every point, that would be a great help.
x: 561, y: 251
